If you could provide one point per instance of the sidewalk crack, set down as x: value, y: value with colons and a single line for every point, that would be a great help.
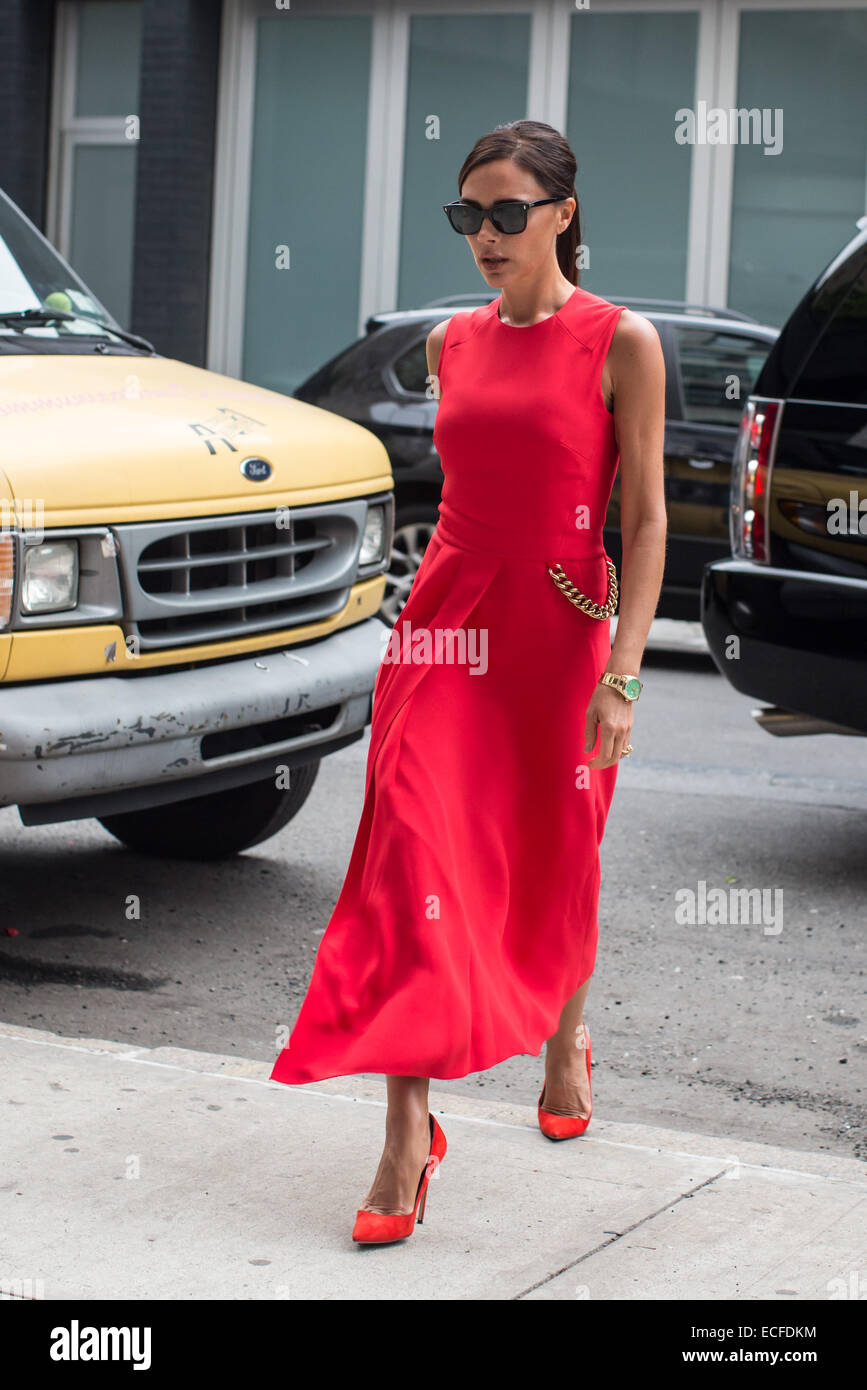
x: 619, y: 1235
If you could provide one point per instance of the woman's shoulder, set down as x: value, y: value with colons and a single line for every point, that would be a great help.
x: 463, y: 322
x: 458, y: 326
x: 595, y: 319
x: 593, y: 307
x: 630, y: 324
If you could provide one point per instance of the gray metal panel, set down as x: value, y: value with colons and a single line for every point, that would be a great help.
x: 77, y: 737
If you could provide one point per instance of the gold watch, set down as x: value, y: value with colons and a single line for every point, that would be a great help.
x: 629, y: 687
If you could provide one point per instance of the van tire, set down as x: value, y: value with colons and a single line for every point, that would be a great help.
x: 218, y: 824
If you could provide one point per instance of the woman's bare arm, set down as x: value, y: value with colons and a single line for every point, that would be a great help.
x: 433, y: 348
x: 636, y: 369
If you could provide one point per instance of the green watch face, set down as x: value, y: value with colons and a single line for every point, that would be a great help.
x: 633, y: 688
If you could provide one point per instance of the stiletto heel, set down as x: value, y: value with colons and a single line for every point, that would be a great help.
x: 376, y: 1228
x: 566, y: 1126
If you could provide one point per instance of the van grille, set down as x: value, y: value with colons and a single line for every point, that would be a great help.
x: 211, y: 578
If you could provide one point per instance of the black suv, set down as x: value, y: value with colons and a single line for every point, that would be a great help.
x: 380, y: 381
x: 786, y: 616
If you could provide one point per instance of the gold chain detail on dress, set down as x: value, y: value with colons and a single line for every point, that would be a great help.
x: 574, y: 595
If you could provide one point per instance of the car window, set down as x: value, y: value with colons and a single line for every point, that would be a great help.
x: 411, y: 368
x: 709, y: 359
x: 836, y: 370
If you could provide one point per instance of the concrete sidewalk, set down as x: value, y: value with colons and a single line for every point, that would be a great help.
x: 159, y: 1173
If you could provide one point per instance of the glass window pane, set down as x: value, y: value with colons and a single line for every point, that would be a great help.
x: 30, y: 269
x: 306, y: 195
x: 102, y: 222
x: 707, y: 359
x: 628, y: 75
x: 791, y: 212
x: 837, y: 368
x: 411, y: 368
x: 109, y: 53
x: 467, y: 74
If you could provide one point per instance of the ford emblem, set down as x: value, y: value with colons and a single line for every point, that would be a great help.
x: 256, y: 470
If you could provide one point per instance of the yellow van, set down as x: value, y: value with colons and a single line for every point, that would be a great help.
x: 190, y: 571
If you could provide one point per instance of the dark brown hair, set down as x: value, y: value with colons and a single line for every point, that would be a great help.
x: 547, y: 155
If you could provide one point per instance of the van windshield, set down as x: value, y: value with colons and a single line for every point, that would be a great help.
x: 33, y: 276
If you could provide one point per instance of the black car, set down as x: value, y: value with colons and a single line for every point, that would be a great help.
x: 381, y: 381
x: 786, y: 615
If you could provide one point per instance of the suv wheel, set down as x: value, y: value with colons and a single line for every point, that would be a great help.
x: 413, y: 528
x: 218, y: 824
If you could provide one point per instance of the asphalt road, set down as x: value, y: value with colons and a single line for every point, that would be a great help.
x: 749, y: 1030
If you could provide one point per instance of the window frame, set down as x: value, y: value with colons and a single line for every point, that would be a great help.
x: 711, y: 167
x: 68, y: 131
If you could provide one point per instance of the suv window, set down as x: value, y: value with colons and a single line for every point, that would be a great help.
x: 411, y: 368
x: 708, y: 357
x: 836, y: 370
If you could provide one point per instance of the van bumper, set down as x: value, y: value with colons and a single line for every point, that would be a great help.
x: 74, y: 749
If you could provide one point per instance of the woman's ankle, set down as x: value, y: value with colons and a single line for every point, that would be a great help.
x: 405, y: 1122
x: 560, y: 1059
x: 562, y: 1046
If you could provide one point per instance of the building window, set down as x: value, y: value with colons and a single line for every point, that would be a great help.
x: 628, y: 74
x: 792, y: 211
x: 467, y: 74
x: 95, y: 123
x: 306, y: 194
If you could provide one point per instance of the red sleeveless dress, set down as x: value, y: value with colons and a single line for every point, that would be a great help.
x: 468, y: 915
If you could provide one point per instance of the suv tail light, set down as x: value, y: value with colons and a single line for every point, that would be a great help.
x: 751, y: 477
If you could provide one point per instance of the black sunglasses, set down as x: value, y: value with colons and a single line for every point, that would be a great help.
x: 508, y: 217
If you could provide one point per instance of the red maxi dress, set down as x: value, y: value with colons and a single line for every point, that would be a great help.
x: 468, y: 915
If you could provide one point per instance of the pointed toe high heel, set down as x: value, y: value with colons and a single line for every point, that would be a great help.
x: 566, y: 1126
x: 376, y: 1228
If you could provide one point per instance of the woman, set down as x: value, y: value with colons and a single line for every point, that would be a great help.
x: 466, y: 927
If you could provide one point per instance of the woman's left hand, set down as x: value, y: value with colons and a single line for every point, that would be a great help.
x: 611, y: 716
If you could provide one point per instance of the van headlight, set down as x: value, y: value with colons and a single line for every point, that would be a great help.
x: 49, y: 581
x: 373, y: 540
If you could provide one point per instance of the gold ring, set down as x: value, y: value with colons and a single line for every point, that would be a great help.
x: 626, y: 751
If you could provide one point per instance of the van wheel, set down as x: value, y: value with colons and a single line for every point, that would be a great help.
x: 218, y: 824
